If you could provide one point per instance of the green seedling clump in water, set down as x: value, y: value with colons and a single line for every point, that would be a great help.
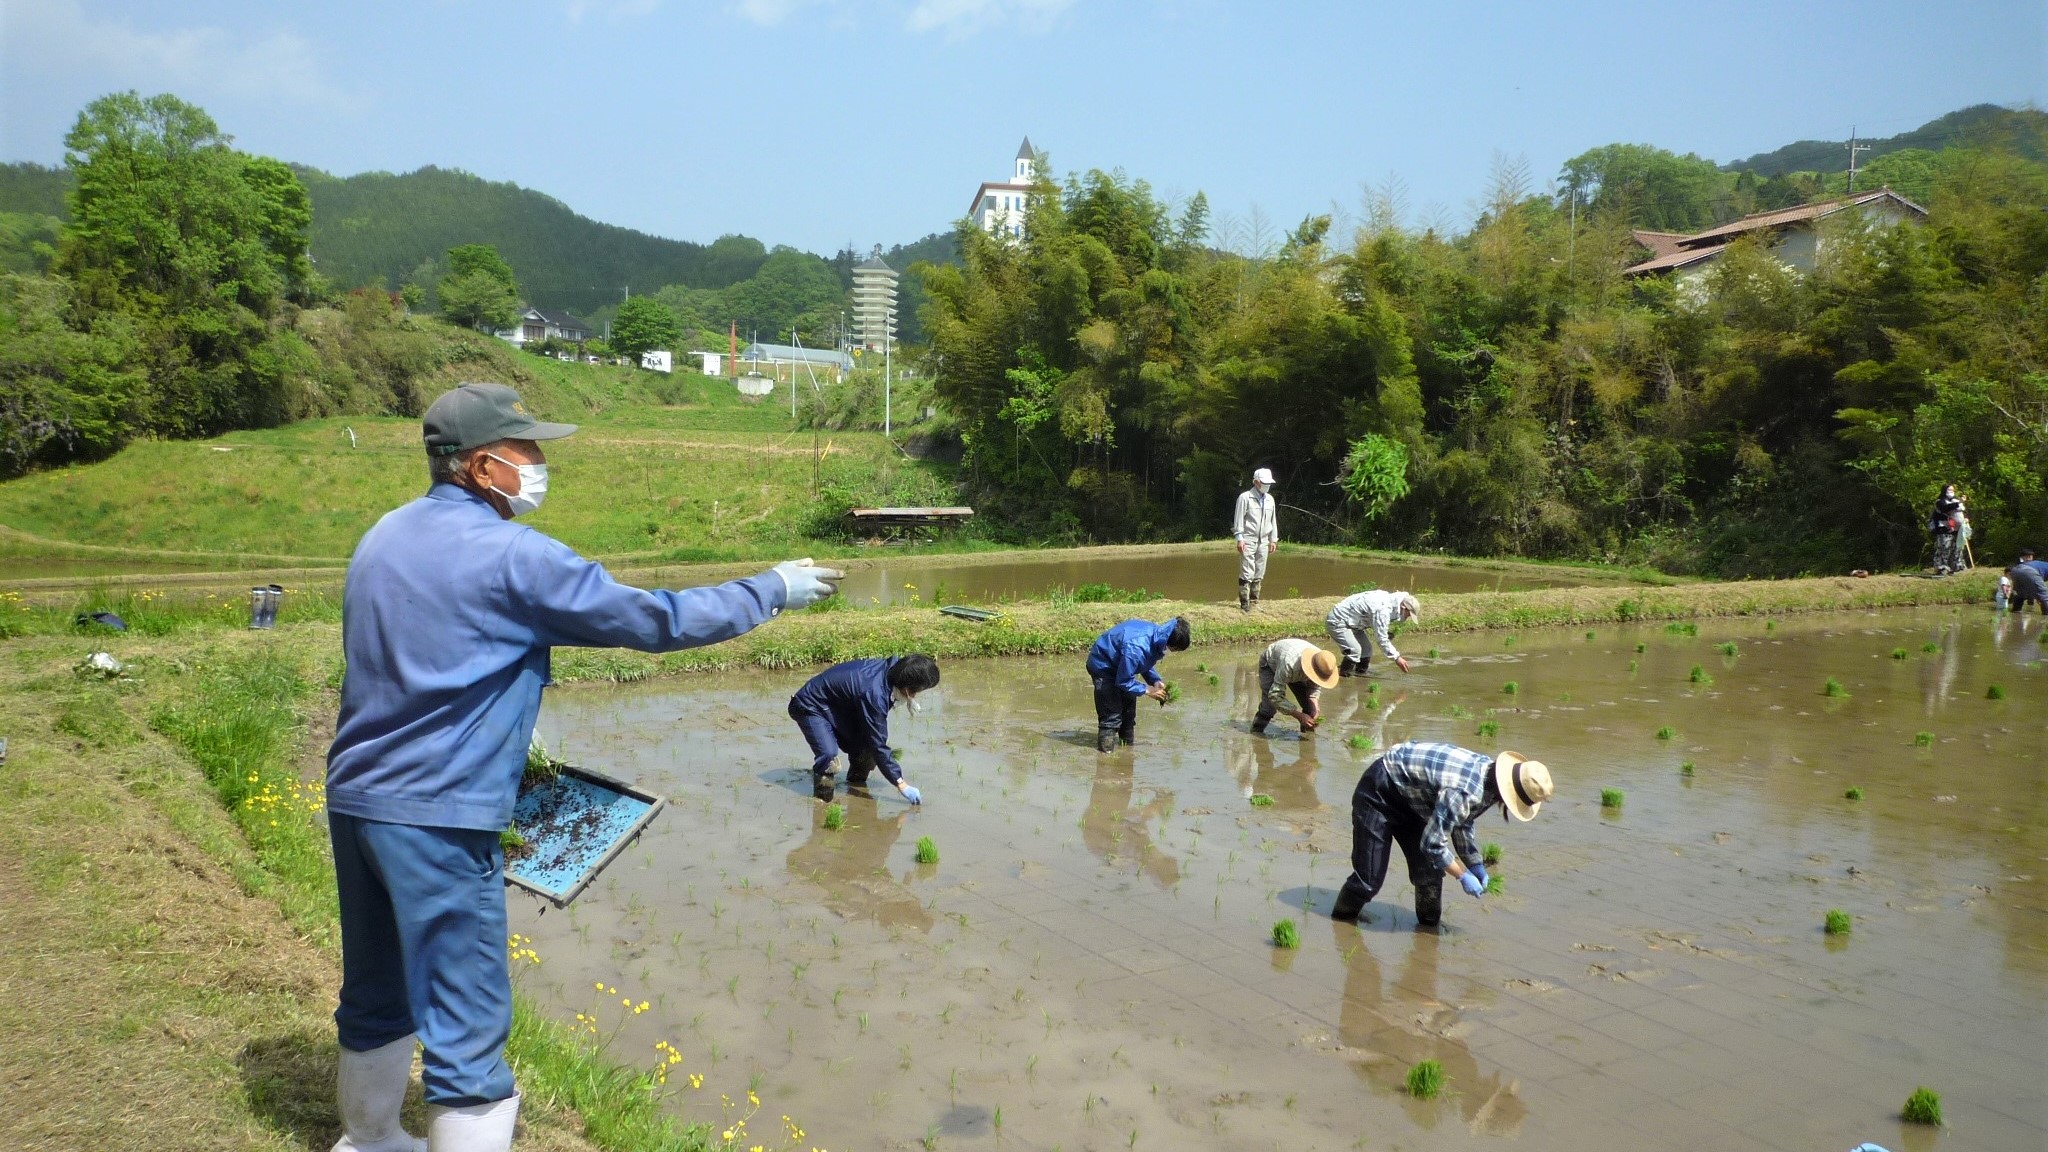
x: 1425, y: 1080
x: 1434, y: 653
x: 1511, y: 687
x: 1201, y: 667
x: 1898, y: 653
x: 1853, y: 794
x: 1923, y: 739
x: 1590, y: 635
x: 1261, y: 800
x: 927, y: 851
x: 1494, y: 886
x: 1359, y: 740
x: 1682, y: 628
x: 1685, y: 769
x: 1172, y: 693
x: 1699, y: 675
x: 1727, y: 649
x: 1667, y: 732
x: 1490, y: 852
x: 1838, y: 922
x: 1922, y: 1107
x: 1930, y: 647
x: 835, y: 816
x: 1610, y: 797
x: 1488, y: 729
x: 1995, y: 692
x: 1214, y: 679
x: 1286, y: 935
x: 1509, y: 642
x: 1457, y: 712
x: 1833, y: 688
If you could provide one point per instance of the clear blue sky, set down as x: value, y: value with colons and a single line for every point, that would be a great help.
x: 816, y: 122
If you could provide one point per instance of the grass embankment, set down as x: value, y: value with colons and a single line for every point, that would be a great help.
x: 168, y: 972
x: 709, y: 476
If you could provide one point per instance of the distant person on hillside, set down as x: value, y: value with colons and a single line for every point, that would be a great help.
x: 2029, y: 582
x: 1375, y: 612
x: 1946, y: 522
x: 1124, y: 666
x: 448, y: 616
x: 1425, y: 797
x: 847, y: 706
x: 1294, y: 667
x: 1256, y: 525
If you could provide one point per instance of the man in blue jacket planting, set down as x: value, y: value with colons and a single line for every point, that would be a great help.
x: 448, y: 616
x: 1124, y: 665
x: 847, y: 706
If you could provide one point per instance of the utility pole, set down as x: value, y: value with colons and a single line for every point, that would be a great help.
x: 888, y: 345
x: 1854, y: 148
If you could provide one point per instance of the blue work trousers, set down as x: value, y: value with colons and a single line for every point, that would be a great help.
x: 423, y: 950
x: 823, y: 736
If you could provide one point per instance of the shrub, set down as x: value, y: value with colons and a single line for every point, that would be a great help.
x: 1425, y: 1080
x: 1838, y: 922
x: 1286, y: 935
x: 1922, y: 1107
x: 1610, y: 797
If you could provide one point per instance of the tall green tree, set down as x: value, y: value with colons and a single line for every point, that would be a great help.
x: 479, y: 290
x: 1648, y: 186
x: 644, y: 324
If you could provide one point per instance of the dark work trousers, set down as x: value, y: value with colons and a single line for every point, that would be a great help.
x: 1381, y: 818
x: 822, y: 734
x: 1302, y: 695
x: 1948, y: 552
x: 1116, y: 712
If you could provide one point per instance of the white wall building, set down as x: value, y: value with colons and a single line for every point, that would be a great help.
x: 1793, y: 236
x: 998, y: 209
x: 874, y: 303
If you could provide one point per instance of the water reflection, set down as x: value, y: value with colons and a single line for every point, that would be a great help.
x: 1416, y: 1026
x: 1118, y: 829
x: 851, y: 864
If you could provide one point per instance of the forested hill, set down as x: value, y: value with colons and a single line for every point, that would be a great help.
x: 379, y: 225
x: 2024, y: 131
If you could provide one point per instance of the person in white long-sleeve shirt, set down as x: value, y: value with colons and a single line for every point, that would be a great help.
x: 1373, y: 611
x: 1256, y: 525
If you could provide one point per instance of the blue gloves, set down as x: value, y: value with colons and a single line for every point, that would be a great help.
x: 1480, y: 869
x: 1472, y: 884
x: 913, y: 795
x: 806, y: 583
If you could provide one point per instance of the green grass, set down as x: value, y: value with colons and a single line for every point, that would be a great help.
x: 1922, y: 1107
x: 1488, y: 729
x: 1490, y: 852
x: 1833, y: 689
x: 1286, y: 934
x: 1853, y: 794
x: 1425, y: 1080
x: 1838, y: 922
x: 1698, y: 675
x: 927, y: 850
x: 835, y: 816
x: 1667, y: 732
x: 1923, y: 739
x: 1610, y: 797
x: 1995, y: 692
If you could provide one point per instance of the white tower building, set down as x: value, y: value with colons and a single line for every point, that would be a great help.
x: 999, y: 207
x: 874, y: 302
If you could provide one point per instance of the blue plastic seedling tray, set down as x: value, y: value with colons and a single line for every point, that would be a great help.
x: 573, y: 827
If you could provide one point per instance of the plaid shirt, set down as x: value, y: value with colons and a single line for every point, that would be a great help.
x: 1446, y: 786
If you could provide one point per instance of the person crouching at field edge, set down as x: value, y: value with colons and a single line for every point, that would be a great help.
x: 847, y: 706
x: 1375, y: 611
x: 448, y: 616
x: 1297, y: 667
x: 1124, y: 664
x: 1425, y: 798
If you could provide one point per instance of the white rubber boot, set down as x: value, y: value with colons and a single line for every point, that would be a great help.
x: 371, y: 1086
x: 475, y: 1128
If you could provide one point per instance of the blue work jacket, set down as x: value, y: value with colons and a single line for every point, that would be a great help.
x: 855, y: 697
x: 1128, y: 653
x: 447, y: 619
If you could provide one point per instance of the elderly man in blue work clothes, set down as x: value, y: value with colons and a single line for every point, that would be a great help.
x: 1425, y: 797
x: 448, y: 615
x: 1124, y: 665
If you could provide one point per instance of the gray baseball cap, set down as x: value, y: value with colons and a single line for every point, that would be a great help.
x: 473, y: 415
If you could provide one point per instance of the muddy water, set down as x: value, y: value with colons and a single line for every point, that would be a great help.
x: 1089, y: 954
x: 1176, y: 576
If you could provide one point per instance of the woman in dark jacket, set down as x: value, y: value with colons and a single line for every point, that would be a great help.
x: 1947, y: 525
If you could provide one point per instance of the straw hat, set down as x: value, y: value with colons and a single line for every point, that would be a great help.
x: 1524, y: 784
x: 1320, y: 667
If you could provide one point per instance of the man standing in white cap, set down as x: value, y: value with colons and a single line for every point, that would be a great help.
x: 448, y: 617
x: 1257, y: 529
x: 1373, y: 611
x: 1425, y: 798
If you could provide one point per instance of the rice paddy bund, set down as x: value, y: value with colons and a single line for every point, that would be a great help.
x: 1132, y: 950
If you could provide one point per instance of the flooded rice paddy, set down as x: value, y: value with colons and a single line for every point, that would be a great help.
x: 1183, y: 575
x: 1088, y: 963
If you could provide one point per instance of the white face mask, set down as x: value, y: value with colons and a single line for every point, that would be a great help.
x: 909, y: 701
x: 533, y: 485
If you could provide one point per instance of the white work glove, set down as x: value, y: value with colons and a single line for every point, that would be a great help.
x: 911, y: 794
x: 806, y: 583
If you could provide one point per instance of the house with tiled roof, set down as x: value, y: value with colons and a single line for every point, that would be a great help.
x: 537, y: 324
x: 1791, y: 235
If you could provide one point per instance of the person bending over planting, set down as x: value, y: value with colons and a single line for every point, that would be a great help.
x: 1124, y: 664
x: 1297, y: 667
x: 1369, y: 612
x: 847, y: 707
x: 1425, y: 798
x: 448, y: 616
